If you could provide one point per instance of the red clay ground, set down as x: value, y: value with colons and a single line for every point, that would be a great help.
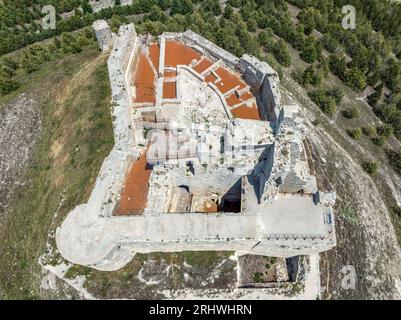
x: 154, y: 54
x: 246, y: 96
x: 209, y: 206
x: 210, y: 78
x: 232, y: 100
x: 228, y: 80
x: 169, y: 90
x: 144, y: 81
x: 245, y: 112
x: 177, y: 53
x: 203, y: 65
x: 170, y: 74
x: 134, y: 197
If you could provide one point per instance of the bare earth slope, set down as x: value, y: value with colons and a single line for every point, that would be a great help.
x: 366, y: 238
x: 20, y: 122
x: 72, y: 97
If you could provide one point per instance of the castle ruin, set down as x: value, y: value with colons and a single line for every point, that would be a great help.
x: 206, y: 157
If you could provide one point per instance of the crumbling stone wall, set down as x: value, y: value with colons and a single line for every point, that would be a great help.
x: 98, y: 5
x: 103, y: 34
x: 264, y: 83
x: 90, y: 236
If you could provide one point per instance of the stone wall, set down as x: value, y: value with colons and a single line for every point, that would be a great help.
x: 98, y: 5
x: 264, y: 83
x: 210, y: 48
x: 103, y: 34
x: 91, y: 236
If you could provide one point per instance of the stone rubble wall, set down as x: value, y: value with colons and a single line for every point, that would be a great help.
x: 283, y: 248
x: 98, y: 5
x: 264, y: 82
x: 213, y: 50
x: 104, y: 36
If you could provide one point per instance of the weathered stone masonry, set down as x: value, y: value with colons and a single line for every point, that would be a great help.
x: 282, y: 212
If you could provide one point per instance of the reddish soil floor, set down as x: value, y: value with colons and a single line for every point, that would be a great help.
x: 210, y: 78
x: 144, y: 81
x: 178, y: 53
x: 228, y: 80
x: 154, y: 54
x: 169, y: 90
x: 210, y: 206
x: 245, y: 112
x: 203, y: 65
x: 135, y: 193
x: 246, y: 96
x: 170, y: 74
x: 232, y: 100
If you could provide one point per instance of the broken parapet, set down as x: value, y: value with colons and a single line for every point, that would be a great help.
x: 124, y: 50
x: 212, y: 49
x: 98, y: 5
x: 327, y: 199
x: 264, y: 82
x: 103, y: 34
x: 120, y: 69
x: 291, y: 172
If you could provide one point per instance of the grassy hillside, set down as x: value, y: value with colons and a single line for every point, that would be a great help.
x: 76, y: 135
x: 73, y: 94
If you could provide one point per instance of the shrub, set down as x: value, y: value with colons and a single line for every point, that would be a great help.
x: 370, y: 131
x: 350, y: 113
x: 281, y: 53
x: 337, y: 94
x: 370, y: 167
x: 379, y: 141
x: 324, y: 100
x: 8, y: 85
x: 356, y: 79
x: 257, y: 277
x: 385, y: 131
x: 355, y: 133
x: 330, y: 43
x: 309, y: 54
x: 309, y: 76
x: 395, y: 159
x: 396, y: 210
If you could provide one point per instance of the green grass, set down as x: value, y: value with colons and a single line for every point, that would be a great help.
x: 76, y: 135
x: 203, y: 259
x: 125, y: 283
x: 257, y: 277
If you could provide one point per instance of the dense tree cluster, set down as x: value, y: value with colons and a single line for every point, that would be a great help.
x: 358, y: 57
x: 361, y: 57
x: 32, y: 57
x: 327, y: 100
x: 8, y: 68
x: 395, y: 160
